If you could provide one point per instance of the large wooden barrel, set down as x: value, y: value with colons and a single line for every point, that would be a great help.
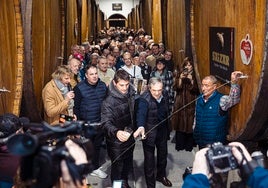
x: 11, y: 53
x: 36, y: 37
x: 31, y: 48
x: 167, y: 21
x: 146, y: 15
x: 240, y: 19
x: 176, y: 29
x: 44, y: 32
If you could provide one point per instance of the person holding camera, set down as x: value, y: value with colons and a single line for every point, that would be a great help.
x: 211, y: 112
x: 184, y: 108
x: 9, y: 125
x: 80, y: 157
x: 255, y: 176
x: 25, y: 163
x: 63, y: 166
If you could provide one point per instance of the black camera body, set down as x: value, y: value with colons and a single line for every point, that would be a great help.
x: 64, y: 118
x: 43, y: 166
x: 185, y: 71
x: 220, y: 158
x: 43, y: 152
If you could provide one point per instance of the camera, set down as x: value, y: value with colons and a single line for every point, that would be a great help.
x: 43, y: 167
x: 64, y: 118
x: 185, y: 71
x: 220, y: 158
x: 43, y: 152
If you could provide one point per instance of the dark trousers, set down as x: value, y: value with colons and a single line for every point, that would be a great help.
x: 184, y: 141
x: 149, y: 160
x: 97, y: 140
x: 120, y: 168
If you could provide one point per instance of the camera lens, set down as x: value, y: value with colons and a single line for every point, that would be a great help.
x: 259, y: 158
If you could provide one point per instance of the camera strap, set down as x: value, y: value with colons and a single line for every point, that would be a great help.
x: 247, y: 169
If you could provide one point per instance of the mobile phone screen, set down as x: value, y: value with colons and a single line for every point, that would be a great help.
x: 117, y: 184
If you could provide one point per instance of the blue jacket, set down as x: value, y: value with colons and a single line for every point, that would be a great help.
x: 258, y: 179
x: 88, y: 100
x: 196, y: 181
x: 211, y: 121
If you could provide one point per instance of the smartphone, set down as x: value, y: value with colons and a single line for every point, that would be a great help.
x: 117, y: 184
x: 185, y: 71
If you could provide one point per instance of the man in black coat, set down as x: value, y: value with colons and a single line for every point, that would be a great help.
x: 152, y: 122
x: 117, y: 122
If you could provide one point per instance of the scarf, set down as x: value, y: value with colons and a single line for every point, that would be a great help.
x: 64, y: 90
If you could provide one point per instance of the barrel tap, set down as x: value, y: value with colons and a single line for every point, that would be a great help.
x: 4, y: 90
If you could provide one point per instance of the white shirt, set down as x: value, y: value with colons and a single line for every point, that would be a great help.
x: 134, y: 71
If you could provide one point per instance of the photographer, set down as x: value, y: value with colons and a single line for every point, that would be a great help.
x: 9, y: 163
x: 80, y: 157
x: 187, y: 90
x: 254, y: 175
x: 66, y: 169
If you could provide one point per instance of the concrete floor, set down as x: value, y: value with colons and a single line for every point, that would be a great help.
x: 177, y: 162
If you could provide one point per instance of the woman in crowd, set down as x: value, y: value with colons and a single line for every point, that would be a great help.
x: 184, y: 108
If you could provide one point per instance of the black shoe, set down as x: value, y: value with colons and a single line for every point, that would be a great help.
x: 164, y: 181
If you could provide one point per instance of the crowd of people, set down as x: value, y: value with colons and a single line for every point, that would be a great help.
x: 126, y: 86
x: 117, y: 68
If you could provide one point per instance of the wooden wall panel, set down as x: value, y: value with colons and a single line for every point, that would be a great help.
x: 84, y: 21
x: 72, y: 25
x: 134, y: 19
x: 138, y: 21
x: 99, y: 19
x: 47, y: 48
x: 12, y: 56
x: 141, y: 13
x: 247, y: 17
x: 157, y: 21
x: 94, y: 20
x: 90, y: 24
x: 147, y: 16
x: 164, y: 20
x: 176, y: 29
x: 129, y: 18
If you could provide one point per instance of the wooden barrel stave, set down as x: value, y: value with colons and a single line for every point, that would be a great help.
x: 11, y: 53
x: 249, y: 116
